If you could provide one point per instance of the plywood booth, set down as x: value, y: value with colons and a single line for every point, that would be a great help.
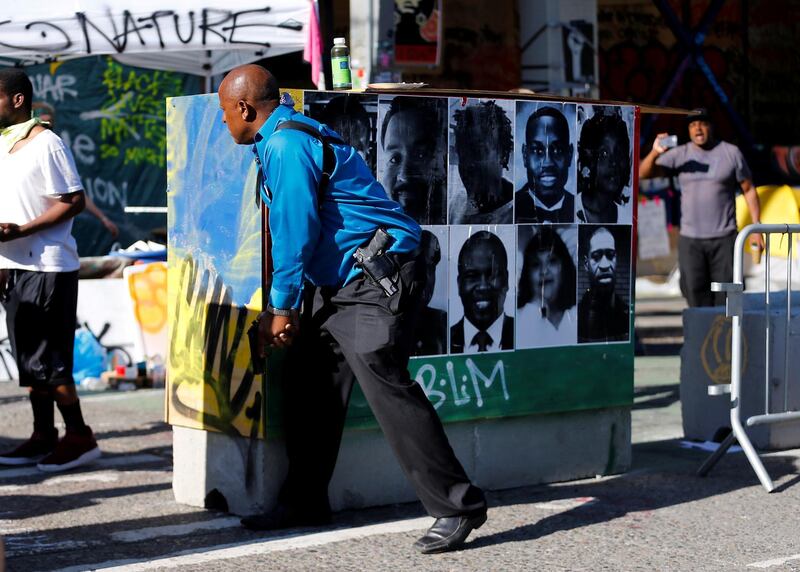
x: 546, y: 398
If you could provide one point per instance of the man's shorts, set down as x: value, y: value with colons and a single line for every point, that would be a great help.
x: 40, y: 315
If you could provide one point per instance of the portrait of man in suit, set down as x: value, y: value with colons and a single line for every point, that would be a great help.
x: 547, y: 154
x: 482, y: 287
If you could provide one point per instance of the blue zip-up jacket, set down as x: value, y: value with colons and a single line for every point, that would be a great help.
x: 316, y: 242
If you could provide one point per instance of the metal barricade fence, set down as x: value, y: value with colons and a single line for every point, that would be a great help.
x: 734, y: 309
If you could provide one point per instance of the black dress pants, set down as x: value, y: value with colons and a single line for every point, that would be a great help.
x: 701, y: 262
x: 357, y: 332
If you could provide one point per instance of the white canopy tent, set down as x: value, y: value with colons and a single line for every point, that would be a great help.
x: 177, y: 35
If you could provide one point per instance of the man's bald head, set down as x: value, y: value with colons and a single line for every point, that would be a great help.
x: 252, y: 83
x: 247, y: 97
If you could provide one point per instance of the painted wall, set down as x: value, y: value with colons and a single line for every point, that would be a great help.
x: 112, y: 117
x: 214, y: 275
x: 214, y: 271
x: 749, y: 47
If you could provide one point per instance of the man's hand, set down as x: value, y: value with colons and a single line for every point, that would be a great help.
x: 757, y: 241
x: 110, y: 227
x: 657, y: 147
x: 9, y: 231
x: 277, y: 331
x: 284, y: 329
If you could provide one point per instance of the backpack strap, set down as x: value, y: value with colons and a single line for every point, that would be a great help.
x: 328, y: 157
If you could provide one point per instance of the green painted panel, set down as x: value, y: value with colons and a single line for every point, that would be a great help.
x: 523, y: 382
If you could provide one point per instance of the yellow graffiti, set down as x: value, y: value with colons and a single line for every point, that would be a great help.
x: 715, y: 351
x: 107, y: 151
x: 211, y: 384
x: 132, y: 121
x: 148, y: 291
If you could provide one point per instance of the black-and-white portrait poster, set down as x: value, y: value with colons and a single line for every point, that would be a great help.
x: 481, y: 292
x: 545, y: 178
x: 430, y: 336
x: 547, y: 283
x: 353, y: 116
x: 604, y: 278
x: 605, y: 163
x: 412, y: 155
x: 481, y: 161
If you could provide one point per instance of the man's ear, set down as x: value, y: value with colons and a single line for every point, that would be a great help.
x: 245, y: 110
x: 571, y: 150
x: 18, y: 100
x: 525, y: 152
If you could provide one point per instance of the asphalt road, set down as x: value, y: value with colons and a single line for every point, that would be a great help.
x: 119, y: 514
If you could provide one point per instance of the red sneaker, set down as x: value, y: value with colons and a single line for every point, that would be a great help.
x: 74, y: 449
x: 34, y: 449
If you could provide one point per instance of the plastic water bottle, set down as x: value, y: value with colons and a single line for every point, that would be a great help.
x: 340, y: 65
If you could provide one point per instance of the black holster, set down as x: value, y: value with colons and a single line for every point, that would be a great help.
x: 377, y: 263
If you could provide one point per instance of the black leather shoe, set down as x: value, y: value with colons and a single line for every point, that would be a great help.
x: 449, y: 533
x: 284, y: 517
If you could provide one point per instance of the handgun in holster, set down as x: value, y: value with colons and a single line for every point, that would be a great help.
x: 377, y: 263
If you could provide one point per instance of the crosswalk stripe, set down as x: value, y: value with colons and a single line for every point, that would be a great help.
x: 774, y: 562
x: 227, y: 551
x: 103, y: 463
x: 174, y: 529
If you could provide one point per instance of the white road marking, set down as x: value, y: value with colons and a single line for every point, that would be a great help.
x: 561, y: 505
x: 120, y: 396
x: 5, y: 489
x: 105, y: 477
x: 174, y: 530
x: 12, y: 527
x: 774, y: 562
x: 102, y: 477
x: 116, y: 461
x: 211, y: 554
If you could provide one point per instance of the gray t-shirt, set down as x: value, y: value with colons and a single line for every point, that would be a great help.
x: 709, y: 181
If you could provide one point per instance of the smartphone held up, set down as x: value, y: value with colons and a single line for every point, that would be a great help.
x: 668, y: 141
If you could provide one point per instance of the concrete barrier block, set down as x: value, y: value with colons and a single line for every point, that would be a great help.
x: 246, y: 473
x: 497, y: 454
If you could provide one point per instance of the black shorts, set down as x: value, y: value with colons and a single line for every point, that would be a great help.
x: 40, y: 315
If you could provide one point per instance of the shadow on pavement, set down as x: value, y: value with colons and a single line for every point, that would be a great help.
x: 662, y: 476
x: 22, y: 506
x: 141, y: 431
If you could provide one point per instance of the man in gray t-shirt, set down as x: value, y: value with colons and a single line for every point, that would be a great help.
x: 709, y: 172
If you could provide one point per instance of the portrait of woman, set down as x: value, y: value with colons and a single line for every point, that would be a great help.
x: 546, y: 311
x: 604, y: 167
